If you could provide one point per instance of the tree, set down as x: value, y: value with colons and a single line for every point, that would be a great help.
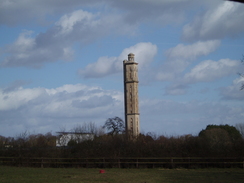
x: 217, y: 138
x: 114, y: 126
x: 240, y: 128
x: 85, y: 128
x: 22, y: 139
x: 233, y: 133
x: 241, y: 74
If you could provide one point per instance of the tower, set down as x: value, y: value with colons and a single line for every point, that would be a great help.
x: 132, y: 123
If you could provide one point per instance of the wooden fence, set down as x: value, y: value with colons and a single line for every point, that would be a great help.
x: 173, y: 162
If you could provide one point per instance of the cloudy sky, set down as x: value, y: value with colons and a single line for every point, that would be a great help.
x: 61, y: 63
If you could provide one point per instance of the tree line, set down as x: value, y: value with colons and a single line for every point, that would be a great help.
x: 213, y: 141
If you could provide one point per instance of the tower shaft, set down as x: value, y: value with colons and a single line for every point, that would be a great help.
x: 131, y: 101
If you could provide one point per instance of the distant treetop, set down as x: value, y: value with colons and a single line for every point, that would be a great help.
x: 233, y: 133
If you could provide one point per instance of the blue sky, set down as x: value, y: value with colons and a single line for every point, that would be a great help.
x: 61, y: 63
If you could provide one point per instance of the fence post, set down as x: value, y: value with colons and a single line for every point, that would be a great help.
x: 118, y: 162
x: 20, y: 160
x: 172, y: 163
x: 42, y: 162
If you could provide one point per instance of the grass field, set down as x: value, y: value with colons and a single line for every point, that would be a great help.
x: 70, y: 175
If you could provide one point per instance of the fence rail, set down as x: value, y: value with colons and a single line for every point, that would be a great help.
x: 172, y: 162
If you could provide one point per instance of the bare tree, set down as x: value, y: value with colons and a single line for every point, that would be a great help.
x: 86, y: 128
x: 114, y: 126
x: 22, y: 138
x: 241, y: 74
x: 86, y: 131
x: 240, y: 128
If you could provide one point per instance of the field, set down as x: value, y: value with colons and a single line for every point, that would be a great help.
x: 70, y: 175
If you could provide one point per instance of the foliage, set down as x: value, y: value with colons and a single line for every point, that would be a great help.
x: 214, y: 141
x: 114, y: 126
x: 233, y: 133
x: 240, y: 128
x: 72, y: 143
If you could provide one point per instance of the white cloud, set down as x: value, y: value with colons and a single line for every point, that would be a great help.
x: 181, y: 56
x: 104, y: 66
x: 58, y: 100
x: 191, y: 52
x: 24, y: 41
x: 15, y: 85
x: 83, y: 27
x: 35, y: 10
x: 177, y: 118
x: 68, y: 21
x: 75, y: 103
x: 137, y: 10
x: 210, y: 70
x: 144, y: 54
x: 68, y: 54
x: 234, y: 91
x: 205, y: 71
x: 43, y: 110
x: 57, y: 42
x: 21, y: 48
x: 176, y: 89
x: 221, y: 21
x: 163, y: 75
x: 15, y: 99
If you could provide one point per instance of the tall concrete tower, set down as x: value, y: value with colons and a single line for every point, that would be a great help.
x: 132, y: 123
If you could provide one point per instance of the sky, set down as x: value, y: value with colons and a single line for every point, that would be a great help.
x: 61, y: 63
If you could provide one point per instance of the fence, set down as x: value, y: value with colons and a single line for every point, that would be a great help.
x: 173, y: 162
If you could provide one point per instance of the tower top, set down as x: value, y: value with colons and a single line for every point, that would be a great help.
x: 131, y: 57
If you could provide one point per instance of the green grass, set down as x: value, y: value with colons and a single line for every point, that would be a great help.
x: 70, y: 175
